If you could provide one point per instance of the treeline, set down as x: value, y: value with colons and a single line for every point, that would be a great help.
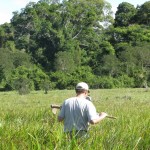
x: 53, y: 44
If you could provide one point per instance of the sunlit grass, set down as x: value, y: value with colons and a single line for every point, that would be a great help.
x: 26, y: 121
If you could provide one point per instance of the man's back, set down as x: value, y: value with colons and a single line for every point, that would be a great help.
x: 77, y: 112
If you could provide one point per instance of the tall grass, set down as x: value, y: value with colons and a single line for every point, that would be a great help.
x: 26, y: 122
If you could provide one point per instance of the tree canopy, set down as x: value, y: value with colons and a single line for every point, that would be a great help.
x: 73, y: 40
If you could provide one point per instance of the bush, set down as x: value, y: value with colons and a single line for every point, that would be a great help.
x: 126, y: 81
x: 110, y: 82
x: 105, y: 82
x: 2, y: 75
x: 60, y: 80
x: 38, y: 77
x: 45, y: 85
x: 64, y: 80
x: 32, y: 77
x: 23, y: 86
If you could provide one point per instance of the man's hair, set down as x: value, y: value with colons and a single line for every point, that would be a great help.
x: 79, y: 91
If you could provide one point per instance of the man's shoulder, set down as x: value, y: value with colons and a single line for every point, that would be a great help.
x: 70, y: 99
x: 88, y: 104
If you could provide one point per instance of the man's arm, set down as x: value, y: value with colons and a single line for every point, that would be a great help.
x: 61, y: 115
x: 101, y: 117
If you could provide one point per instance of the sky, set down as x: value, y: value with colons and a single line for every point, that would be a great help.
x: 9, y: 6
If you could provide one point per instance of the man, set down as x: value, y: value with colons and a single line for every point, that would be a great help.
x: 77, y: 112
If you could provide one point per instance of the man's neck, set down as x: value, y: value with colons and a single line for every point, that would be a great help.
x: 82, y: 95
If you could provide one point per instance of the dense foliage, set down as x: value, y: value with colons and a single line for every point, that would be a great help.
x: 60, y: 43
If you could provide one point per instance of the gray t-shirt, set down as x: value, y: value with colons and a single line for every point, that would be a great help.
x: 77, y: 112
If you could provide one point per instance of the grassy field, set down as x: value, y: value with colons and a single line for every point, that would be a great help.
x: 27, y: 123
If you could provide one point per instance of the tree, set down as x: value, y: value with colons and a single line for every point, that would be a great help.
x: 110, y: 65
x: 10, y: 60
x: 136, y: 63
x: 124, y: 14
x: 7, y: 36
x: 143, y: 14
x: 25, y: 24
x: 104, y: 48
x: 35, y: 30
x: 2, y: 76
x: 64, y: 62
x: 131, y: 34
x: 6, y: 61
x: 45, y: 28
x: 2, y: 35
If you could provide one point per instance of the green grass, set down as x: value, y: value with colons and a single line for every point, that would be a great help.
x: 26, y: 122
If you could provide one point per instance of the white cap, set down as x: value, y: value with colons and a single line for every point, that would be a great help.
x: 82, y: 86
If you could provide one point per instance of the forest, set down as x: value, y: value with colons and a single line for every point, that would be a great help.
x: 53, y: 45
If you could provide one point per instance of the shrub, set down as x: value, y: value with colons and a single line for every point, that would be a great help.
x: 23, y: 86
x: 60, y: 79
x: 2, y: 75
x: 105, y: 83
x: 45, y: 85
x: 32, y: 77
x: 64, y: 80
x: 126, y: 81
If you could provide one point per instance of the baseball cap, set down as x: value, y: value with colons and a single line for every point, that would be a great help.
x: 82, y: 86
